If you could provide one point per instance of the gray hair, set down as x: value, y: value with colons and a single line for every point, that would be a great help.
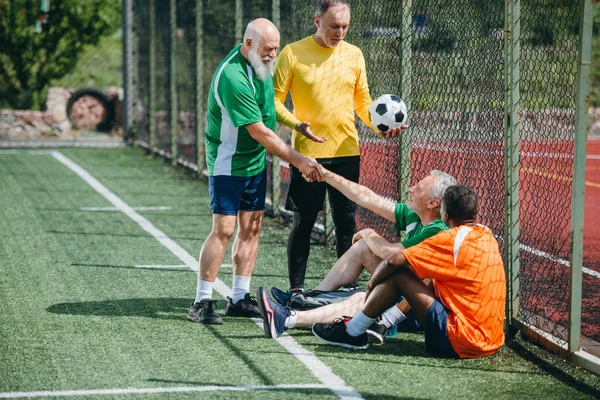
x: 324, y: 5
x: 441, y: 183
x: 252, y: 32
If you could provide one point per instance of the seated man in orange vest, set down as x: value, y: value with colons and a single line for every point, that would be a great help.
x: 462, y: 309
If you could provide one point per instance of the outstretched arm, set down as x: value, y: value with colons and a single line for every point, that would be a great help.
x: 360, y: 194
x: 277, y: 147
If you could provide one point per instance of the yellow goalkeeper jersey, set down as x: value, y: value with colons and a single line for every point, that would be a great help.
x: 327, y: 85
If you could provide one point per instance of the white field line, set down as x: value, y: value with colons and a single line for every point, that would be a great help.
x: 172, y: 266
x: 29, y: 152
x: 320, y: 371
x: 159, y: 208
x: 176, y: 389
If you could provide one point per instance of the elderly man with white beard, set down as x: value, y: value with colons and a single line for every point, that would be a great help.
x: 239, y: 132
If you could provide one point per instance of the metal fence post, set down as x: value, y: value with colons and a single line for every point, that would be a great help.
x: 152, y: 73
x: 406, y: 88
x: 275, y: 168
x: 200, y: 155
x: 127, y: 106
x: 173, y: 79
x: 239, y: 15
x: 578, y: 186
x: 511, y: 158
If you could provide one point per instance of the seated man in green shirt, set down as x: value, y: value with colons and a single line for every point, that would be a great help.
x: 420, y: 218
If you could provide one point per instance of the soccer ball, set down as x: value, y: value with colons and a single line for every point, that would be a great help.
x: 388, y: 111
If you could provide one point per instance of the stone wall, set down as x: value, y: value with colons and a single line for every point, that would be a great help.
x: 53, y: 122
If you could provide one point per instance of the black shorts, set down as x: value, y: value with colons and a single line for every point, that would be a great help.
x: 309, y: 197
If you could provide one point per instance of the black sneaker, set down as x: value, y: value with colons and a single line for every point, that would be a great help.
x: 336, y: 334
x: 376, y: 332
x: 247, y: 307
x: 202, y: 311
x: 273, y: 313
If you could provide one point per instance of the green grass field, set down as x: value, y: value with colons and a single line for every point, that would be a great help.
x: 78, y: 319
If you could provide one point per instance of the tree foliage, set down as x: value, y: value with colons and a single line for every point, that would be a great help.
x: 30, y: 60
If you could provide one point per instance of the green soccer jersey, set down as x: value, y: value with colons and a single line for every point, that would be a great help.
x: 407, y: 220
x: 237, y: 98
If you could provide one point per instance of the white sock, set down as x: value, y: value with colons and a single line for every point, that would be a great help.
x: 392, y: 317
x: 290, y: 321
x: 359, y: 324
x: 203, y: 290
x: 240, y: 286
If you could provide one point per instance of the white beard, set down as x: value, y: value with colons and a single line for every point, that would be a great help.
x: 263, y: 71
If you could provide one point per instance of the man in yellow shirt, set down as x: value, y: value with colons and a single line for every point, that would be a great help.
x: 327, y: 80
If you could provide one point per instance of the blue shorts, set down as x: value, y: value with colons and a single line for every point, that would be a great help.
x: 230, y: 194
x: 436, y: 335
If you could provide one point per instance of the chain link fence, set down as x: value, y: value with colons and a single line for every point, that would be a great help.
x: 492, y: 91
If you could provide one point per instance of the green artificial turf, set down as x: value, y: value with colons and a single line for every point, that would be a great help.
x: 76, y: 313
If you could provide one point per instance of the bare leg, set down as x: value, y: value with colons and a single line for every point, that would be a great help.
x: 405, y: 282
x: 328, y: 313
x: 349, y: 267
x: 213, y: 249
x: 245, y: 245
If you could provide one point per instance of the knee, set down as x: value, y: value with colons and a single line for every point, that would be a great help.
x: 362, y: 250
x: 358, y: 298
x: 223, y: 233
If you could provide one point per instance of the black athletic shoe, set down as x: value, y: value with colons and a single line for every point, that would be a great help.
x: 376, y: 332
x: 203, y: 312
x: 247, y: 307
x: 336, y: 335
x: 273, y: 313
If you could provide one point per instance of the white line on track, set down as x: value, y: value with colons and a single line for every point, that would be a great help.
x: 157, y: 390
x: 562, y: 262
x: 320, y: 371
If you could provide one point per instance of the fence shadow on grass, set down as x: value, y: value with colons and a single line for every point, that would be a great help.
x: 160, y: 308
x: 551, y: 364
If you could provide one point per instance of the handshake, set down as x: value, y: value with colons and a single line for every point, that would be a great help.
x: 312, y: 171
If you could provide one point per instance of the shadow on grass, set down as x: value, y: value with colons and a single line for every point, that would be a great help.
x: 160, y: 308
x: 182, y: 269
x: 306, y: 391
x: 563, y: 371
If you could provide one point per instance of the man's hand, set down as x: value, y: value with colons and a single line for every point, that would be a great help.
x: 393, y: 133
x: 304, y: 128
x: 362, y: 234
x: 324, y: 172
x: 309, y: 170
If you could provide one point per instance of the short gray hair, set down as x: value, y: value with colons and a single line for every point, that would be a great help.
x: 441, y: 183
x: 252, y: 32
x: 324, y: 5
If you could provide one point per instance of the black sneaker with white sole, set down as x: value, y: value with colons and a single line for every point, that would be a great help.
x: 203, y: 312
x: 335, y: 334
x: 247, y: 307
x: 376, y: 333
